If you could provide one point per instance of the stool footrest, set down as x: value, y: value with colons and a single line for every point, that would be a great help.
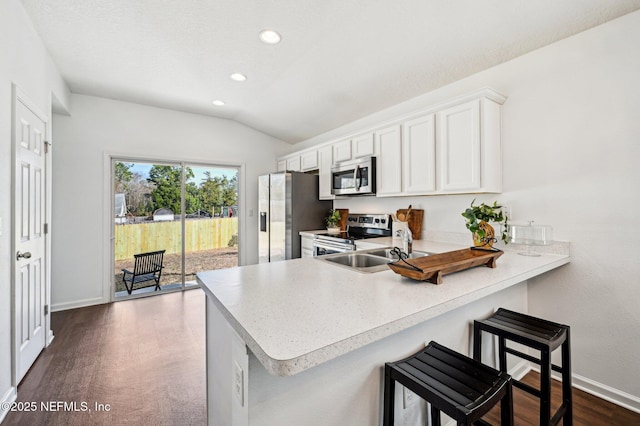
x: 525, y: 387
x: 530, y: 358
x: 559, y: 414
x: 522, y: 355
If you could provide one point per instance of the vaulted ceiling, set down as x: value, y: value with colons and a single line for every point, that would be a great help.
x: 339, y: 60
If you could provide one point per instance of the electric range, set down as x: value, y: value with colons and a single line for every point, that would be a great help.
x: 359, y: 227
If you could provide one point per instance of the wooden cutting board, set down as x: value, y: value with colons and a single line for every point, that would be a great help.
x: 433, y: 267
x: 415, y: 221
x: 344, y: 213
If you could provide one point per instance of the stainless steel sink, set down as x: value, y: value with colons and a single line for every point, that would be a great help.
x: 373, y: 260
x: 362, y: 262
x: 386, y: 252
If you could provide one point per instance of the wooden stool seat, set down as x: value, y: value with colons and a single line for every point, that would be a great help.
x: 542, y: 335
x: 457, y: 385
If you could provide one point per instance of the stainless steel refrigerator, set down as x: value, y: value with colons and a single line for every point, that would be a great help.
x: 288, y: 203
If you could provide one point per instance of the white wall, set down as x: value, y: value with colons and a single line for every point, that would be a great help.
x: 97, y: 127
x: 571, y: 148
x: 26, y: 63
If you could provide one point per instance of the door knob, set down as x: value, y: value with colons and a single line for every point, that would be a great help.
x: 25, y: 255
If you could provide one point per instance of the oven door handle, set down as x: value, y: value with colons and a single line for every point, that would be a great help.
x: 342, y: 248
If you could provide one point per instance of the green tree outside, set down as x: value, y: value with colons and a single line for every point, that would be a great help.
x: 162, y: 189
x: 217, y: 192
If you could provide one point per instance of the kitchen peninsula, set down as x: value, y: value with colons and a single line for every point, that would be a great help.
x: 304, y: 341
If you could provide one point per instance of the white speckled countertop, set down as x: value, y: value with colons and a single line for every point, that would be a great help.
x: 299, y: 313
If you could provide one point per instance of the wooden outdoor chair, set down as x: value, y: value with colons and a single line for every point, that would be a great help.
x: 148, y: 267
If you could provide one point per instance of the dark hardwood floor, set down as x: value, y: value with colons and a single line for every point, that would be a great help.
x: 587, y: 409
x: 145, y: 358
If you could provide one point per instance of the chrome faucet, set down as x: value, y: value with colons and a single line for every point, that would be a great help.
x: 407, y: 239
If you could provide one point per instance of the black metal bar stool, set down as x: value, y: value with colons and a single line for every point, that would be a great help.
x: 544, y: 336
x: 457, y: 385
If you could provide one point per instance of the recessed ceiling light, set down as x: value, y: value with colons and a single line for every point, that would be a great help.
x: 269, y: 36
x: 236, y: 76
x: 218, y: 103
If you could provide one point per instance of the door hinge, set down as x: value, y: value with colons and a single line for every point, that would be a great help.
x: 46, y: 309
x: 47, y: 144
x: 46, y: 228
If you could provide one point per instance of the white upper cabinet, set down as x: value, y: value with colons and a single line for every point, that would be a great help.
x: 293, y: 164
x: 469, y: 147
x: 459, y: 145
x: 451, y: 148
x: 342, y: 151
x: 325, y: 160
x: 309, y: 161
x: 388, y: 145
x: 419, y: 156
x: 363, y: 145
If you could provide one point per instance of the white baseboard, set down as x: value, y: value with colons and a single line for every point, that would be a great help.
x: 9, y: 397
x: 614, y: 396
x: 520, y: 369
x: 602, y: 391
x: 76, y: 304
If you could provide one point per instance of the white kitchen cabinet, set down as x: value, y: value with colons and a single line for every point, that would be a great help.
x: 419, y: 156
x: 452, y: 148
x: 306, y: 246
x: 325, y: 161
x: 342, y: 151
x: 469, y: 147
x: 363, y: 145
x: 389, y: 161
x: 293, y: 164
x: 309, y: 161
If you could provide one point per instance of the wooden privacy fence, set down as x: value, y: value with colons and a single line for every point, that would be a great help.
x: 201, y: 234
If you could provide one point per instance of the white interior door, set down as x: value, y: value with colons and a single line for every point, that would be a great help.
x: 29, y: 226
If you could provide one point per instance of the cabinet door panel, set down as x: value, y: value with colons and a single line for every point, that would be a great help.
x: 363, y: 145
x: 389, y: 161
x: 342, y: 151
x: 419, y: 155
x: 282, y: 165
x: 309, y: 161
x: 459, y: 146
x: 293, y: 164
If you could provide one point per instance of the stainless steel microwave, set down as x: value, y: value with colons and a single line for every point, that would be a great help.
x: 356, y: 177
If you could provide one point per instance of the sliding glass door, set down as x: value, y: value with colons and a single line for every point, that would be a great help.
x: 171, y: 220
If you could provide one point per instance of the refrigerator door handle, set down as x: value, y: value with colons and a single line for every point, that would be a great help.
x: 263, y: 221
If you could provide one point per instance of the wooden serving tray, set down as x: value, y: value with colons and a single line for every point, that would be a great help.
x: 436, y: 265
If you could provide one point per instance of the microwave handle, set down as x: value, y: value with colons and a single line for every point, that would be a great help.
x: 356, y: 172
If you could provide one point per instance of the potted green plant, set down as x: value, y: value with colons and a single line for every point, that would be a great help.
x: 477, y: 218
x: 333, y: 221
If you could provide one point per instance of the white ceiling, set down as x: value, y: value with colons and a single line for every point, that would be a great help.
x: 339, y: 60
